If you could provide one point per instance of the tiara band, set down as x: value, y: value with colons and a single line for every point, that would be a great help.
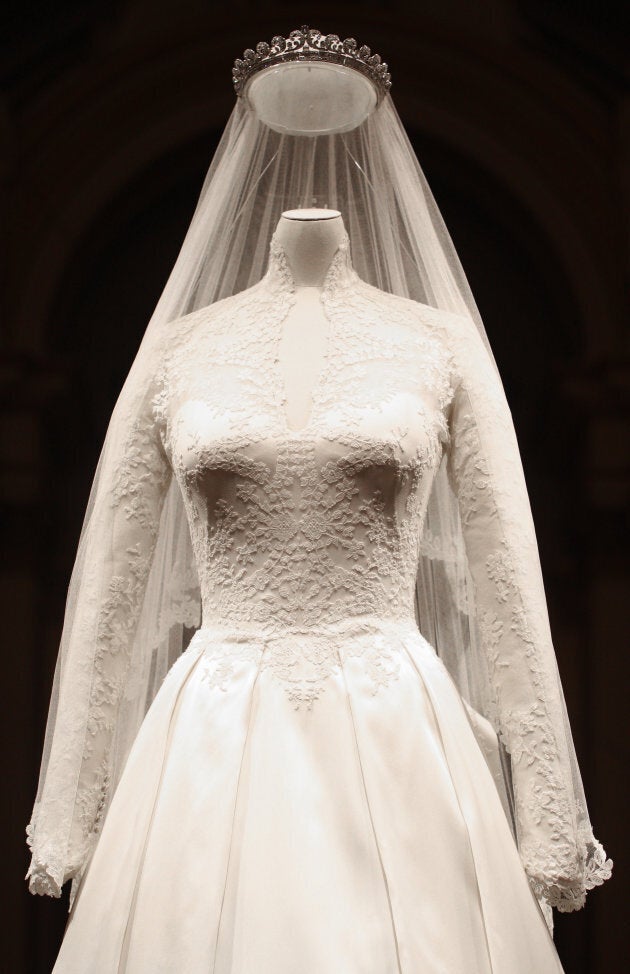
x: 308, y: 44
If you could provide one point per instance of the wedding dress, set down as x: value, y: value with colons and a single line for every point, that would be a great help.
x: 361, y: 761
x: 307, y: 792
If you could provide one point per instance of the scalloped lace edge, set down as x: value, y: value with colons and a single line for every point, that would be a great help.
x: 567, y: 899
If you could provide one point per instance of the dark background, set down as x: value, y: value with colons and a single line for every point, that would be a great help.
x: 520, y: 114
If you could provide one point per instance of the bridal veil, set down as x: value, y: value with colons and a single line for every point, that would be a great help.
x: 314, y: 125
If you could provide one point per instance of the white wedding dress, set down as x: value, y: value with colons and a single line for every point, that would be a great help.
x: 308, y: 792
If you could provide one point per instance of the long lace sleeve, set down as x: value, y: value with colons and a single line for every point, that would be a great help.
x: 103, y: 606
x: 559, y: 852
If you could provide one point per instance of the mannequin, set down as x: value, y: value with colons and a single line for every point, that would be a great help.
x: 310, y: 238
x: 274, y: 466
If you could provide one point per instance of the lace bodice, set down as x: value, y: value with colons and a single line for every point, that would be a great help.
x: 299, y: 530
x: 295, y: 528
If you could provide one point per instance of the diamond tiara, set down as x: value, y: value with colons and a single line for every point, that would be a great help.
x: 309, y: 44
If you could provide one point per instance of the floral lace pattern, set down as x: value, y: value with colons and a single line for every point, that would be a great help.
x: 485, y: 468
x: 298, y: 534
x: 125, y: 541
x: 303, y: 661
x: 302, y: 531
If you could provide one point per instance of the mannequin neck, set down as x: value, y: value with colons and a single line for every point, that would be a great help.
x: 310, y: 239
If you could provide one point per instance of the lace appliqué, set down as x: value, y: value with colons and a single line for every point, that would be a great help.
x: 296, y: 536
x: 473, y: 475
x: 136, y: 495
x: 596, y: 869
x: 303, y: 663
x: 553, y: 850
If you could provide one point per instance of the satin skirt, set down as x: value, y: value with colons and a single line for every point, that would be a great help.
x: 361, y: 834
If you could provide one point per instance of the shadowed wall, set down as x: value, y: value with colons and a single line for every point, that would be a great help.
x: 519, y: 114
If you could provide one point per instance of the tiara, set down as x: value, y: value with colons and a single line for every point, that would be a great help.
x: 308, y: 44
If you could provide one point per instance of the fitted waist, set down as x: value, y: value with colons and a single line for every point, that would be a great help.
x: 353, y: 625
x: 304, y: 658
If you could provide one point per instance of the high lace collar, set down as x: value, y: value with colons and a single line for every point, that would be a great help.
x: 340, y: 271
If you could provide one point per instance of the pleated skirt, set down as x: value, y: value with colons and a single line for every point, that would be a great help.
x: 351, y: 826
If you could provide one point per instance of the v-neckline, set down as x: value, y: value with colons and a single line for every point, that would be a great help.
x: 318, y: 385
x: 280, y: 279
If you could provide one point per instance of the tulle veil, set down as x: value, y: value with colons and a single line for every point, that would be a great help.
x: 314, y: 133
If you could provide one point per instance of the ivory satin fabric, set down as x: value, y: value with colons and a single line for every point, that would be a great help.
x: 366, y: 835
